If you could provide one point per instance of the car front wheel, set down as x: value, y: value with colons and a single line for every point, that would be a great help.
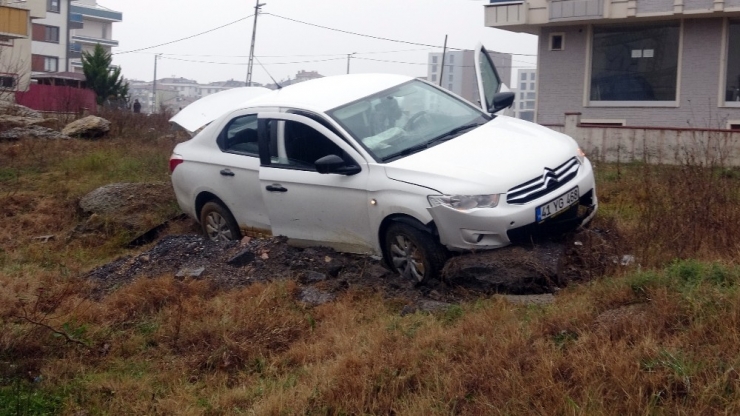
x: 413, y: 253
x: 218, y: 223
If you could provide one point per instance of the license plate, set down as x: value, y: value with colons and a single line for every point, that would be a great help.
x: 557, y: 205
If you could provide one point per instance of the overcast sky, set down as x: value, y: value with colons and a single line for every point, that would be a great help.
x: 280, y: 43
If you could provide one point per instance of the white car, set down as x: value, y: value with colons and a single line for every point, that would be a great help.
x: 383, y: 164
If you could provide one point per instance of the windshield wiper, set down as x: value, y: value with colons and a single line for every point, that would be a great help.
x: 439, y: 139
x: 452, y: 133
x: 406, y: 152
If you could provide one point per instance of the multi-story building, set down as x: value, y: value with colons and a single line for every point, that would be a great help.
x: 526, y: 94
x: 458, y: 74
x: 97, y: 28
x: 50, y: 35
x: 15, y: 43
x: 654, y: 63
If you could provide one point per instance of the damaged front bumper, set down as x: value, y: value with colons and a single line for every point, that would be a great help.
x: 488, y: 228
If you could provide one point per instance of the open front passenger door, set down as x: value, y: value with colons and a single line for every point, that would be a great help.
x: 492, y: 100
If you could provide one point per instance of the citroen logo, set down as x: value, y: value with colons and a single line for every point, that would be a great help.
x: 548, y: 176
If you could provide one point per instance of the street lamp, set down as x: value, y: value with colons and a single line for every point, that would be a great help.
x: 349, y: 55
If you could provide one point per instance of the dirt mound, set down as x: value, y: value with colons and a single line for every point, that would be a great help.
x: 323, y: 274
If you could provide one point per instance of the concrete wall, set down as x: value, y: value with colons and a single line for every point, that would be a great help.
x: 563, y: 80
x: 654, y: 145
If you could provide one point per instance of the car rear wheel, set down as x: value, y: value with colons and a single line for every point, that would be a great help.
x: 413, y: 253
x: 218, y: 223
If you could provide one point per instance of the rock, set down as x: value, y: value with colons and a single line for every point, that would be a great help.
x: 433, y: 306
x: 241, y: 258
x: 32, y: 131
x: 190, y: 272
x: 315, y: 297
x: 376, y: 271
x: 313, y: 277
x: 18, y: 110
x: 514, y: 270
x: 88, y: 127
x: 111, y: 198
x: 408, y: 310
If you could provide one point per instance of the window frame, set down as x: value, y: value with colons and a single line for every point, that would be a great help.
x: 562, y: 41
x: 587, y: 102
x: 724, y: 57
x: 54, y: 59
x: 8, y: 75
x: 50, y: 9
x: 221, y: 138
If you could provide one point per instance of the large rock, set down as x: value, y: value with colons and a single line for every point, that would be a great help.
x: 11, y: 109
x: 89, y: 127
x: 134, y: 210
x: 33, y: 131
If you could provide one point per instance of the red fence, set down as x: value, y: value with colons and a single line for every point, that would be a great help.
x: 61, y: 99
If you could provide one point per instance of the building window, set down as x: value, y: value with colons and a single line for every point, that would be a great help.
x: 51, y: 34
x: 531, y: 76
x: 434, y: 68
x: 449, y: 87
x: 531, y: 95
x: 557, y: 41
x: 521, y: 95
x: 732, y: 92
x: 434, y: 59
x: 523, y: 86
x: 7, y: 82
x: 449, y: 78
x: 531, y: 86
x: 452, y: 59
x: 524, y: 76
x: 51, y: 64
x: 633, y: 63
x: 450, y: 69
x: 52, y: 6
x: 526, y: 115
x: 434, y: 77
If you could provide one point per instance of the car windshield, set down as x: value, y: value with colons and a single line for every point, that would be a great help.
x: 406, y: 119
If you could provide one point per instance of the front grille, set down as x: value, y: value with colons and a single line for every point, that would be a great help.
x: 550, y: 180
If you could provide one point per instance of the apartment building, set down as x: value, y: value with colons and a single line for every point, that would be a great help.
x: 16, y: 23
x: 458, y: 74
x: 526, y: 94
x: 653, y: 63
x: 69, y: 28
x: 96, y: 28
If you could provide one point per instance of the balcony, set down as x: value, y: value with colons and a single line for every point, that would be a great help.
x: 88, y: 40
x: 13, y: 22
x: 95, y: 12
x: 564, y: 10
x: 76, y: 21
x: 75, y: 50
x: 502, y: 13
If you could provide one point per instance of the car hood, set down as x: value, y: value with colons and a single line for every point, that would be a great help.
x: 491, y: 159
x: 211, y: 107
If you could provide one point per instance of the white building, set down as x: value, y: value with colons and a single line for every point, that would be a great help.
x: 50, y: 46
x: 526, y: 94
x: 97, y: 28
x: 458, y: 74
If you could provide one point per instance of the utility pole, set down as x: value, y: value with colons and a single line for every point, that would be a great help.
x: 154, y: 87
x: 349, y: 55
x: 257, y: 7
x: 442, y: 70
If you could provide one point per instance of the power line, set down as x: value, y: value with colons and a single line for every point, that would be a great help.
x: 426, y: 64
x: 375, y: 37
x: 283, y: 56
x: 246, y: 63
x: 185, y: 38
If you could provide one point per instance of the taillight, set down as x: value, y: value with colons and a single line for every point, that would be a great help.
x: 174, y: 161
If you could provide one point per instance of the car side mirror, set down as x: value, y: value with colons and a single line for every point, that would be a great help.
x: 502, y: 100
x: 335, y: 164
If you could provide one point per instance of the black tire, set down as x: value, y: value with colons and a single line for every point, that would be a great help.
x: 413, y: 253
x: 217, y: 223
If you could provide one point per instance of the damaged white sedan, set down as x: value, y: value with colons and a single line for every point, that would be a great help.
x: 383, y: 164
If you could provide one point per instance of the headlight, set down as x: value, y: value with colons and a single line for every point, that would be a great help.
x: 464, y: 202
x: 580, y: 155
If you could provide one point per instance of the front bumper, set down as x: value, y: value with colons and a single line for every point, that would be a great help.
x: 489, y: 228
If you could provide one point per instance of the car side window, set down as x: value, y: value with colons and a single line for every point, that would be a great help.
x: 240, y: 136
x: 303, y: 146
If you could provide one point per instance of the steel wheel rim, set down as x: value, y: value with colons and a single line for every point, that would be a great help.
x: 217, y: 228
x: 407, y: 258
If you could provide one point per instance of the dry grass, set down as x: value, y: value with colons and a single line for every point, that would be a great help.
x: 663, y: 340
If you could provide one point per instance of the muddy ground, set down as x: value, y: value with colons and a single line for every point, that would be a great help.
x: 525, y: 274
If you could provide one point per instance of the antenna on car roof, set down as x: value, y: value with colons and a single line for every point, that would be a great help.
x: 268, y: 74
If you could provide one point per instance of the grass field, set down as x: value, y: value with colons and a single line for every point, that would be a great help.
x: 661, y: 338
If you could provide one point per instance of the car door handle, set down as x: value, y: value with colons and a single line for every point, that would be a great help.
x: 275, y: 188
x: 227, y: 172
